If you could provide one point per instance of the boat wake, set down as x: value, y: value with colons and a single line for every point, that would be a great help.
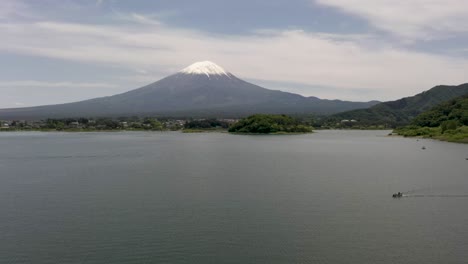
x: 435, y: 195
x: 447, y: 191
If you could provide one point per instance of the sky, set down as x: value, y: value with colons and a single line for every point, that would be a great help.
x: 57, y: 51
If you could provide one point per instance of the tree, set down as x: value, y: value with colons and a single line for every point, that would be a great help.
x: 152, y: 124
x: 448, y: 125
x: 266, y: 124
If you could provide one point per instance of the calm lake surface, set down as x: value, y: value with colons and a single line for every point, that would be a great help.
x: 219, y: 198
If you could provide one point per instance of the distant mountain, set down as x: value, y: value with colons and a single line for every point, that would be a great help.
x: 202, y: 89
x: 402, y: 111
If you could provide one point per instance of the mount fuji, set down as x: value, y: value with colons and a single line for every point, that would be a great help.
x: 203, y: 89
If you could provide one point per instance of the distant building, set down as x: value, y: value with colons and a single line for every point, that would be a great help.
x: 74, y: 124
x: 229, y: 121
x: 37, y: 124
x: 348, y: 121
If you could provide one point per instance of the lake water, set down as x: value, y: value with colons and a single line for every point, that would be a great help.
x: 219, y: 198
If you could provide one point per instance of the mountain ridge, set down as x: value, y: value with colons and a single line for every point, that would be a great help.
x: 402, y: 111
x: 203, y: 88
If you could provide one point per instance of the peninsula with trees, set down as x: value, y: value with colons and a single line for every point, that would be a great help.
x: 269, y: 124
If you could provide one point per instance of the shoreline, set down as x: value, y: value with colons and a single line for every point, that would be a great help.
x: 462, y: 141
x: 189, y: 131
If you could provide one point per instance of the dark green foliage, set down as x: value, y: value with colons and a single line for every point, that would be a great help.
x: 448, y: 125
x: 152, y: 124
x: 206, y: 124
x: 401, y: 112
x: 416, y: 131
x: 453, y: 110
x: 460, y: 134
x: 53, y: 124
x: 267, y: 124
x: 446, y: 121
x: 107, y: 123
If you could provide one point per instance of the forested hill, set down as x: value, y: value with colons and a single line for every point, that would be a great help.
x: 455, y: 110
x: 402, y: 111
x: 447, y: 121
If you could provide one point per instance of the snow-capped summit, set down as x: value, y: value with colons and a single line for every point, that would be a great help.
x: 205, y: 67
x: 203, y: 89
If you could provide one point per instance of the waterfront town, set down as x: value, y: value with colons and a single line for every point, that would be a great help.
x: 105, y: 124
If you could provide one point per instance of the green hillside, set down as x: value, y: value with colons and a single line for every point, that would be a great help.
x: 453, y: 110
x: 402, y: 111
x: 446, y: 121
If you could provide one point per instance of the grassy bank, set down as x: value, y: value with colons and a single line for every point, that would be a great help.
x: 204, y: 130
x: 459, y: 135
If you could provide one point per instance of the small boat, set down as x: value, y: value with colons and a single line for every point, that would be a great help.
x: 397, y: 195
x: 423, y: 147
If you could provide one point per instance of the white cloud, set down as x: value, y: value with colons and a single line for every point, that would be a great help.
x: 13, y: 8
x: 287, y: 56
x: 412, y: 19
x: 139, y: 18
x: 42, y: 84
